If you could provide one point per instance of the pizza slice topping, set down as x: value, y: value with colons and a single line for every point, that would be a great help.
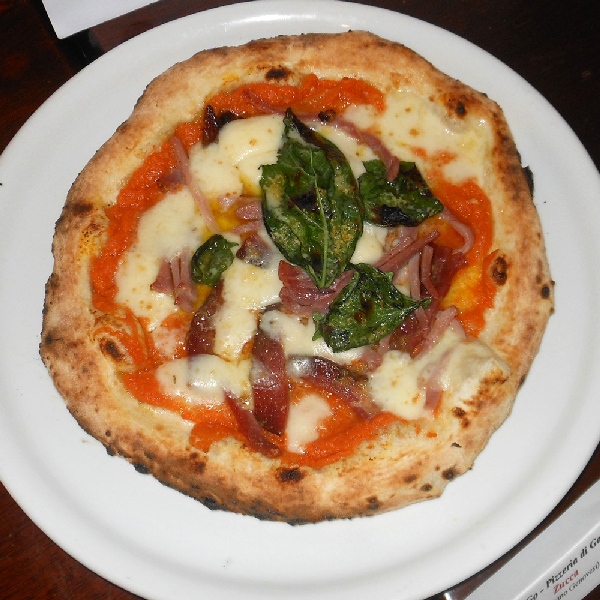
x: 368, y: 308
x: 329, y: 304
x: 311, y: 206
x: 211, y: 260
x: 404, y: 200
x: 270, y: 385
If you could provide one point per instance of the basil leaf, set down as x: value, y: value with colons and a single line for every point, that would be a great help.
x: 405, y: 201
x: 367, y: 309
x: 211, y: 260
x: 311, y: 207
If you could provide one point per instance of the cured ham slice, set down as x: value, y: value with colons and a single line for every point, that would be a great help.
x: 440, y: 323
x: 201, y: 335
x: 270, y: 386
x: 199, y: 198
x: 439, y: 265
x: 463, y: 230
x: 174, y: 277
x: 300, y: 295
x: 249, y: 211
x: 254, y: 250
x: 332, y: 377
x: 184, y: 287
x: 164, y: 280
x: 391, y: 162
x: 445, y: 263
x: 395, y: 258
x: 250, y: 428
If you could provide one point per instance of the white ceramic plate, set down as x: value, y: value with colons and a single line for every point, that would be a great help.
x: 160, y: 544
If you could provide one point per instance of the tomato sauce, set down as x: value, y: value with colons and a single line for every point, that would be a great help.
x: 472, y: 290
x: 142, y: 192
x: 339, y: 435
x: 310, y: 97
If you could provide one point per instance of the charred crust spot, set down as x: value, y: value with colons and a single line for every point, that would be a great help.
x: 198, y: 464
x: 140, y: 468
x: 107, y: 433
x: 210, y: 503
x: 456, y: 105
x: 81, y: 208
x: 49, y: 339
x: 52, y: 282
x: 529, y: 178
x: 545, y: 292
x: 110, y: 451
x: 449, y: 474
x: 499, y: 270
x: 373, y: 503
x: 290, y: 475
x: 111, y: 349
x: 460, y: 413
x: 277, y: 74
x: 426, y: 488
x: 410, y: 478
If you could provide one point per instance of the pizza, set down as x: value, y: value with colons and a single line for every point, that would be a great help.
x: 303, y: 281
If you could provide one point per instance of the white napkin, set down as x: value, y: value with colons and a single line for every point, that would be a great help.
x: 70, y: 16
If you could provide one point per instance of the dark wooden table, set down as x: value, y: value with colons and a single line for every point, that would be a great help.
x: 553, y: 44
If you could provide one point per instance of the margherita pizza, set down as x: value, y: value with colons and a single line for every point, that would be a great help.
x: 303, y: 281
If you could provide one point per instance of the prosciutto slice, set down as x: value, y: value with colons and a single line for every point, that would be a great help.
x: 250, y: 428
x: 391, y: 162
x: 175, y: 277
x: 463, y: 230
x: 254, y: 250
x: 200, y: 338
x: 422, y: 329
x: 300, y: 295
x: 395, y: 258
x: 334, y: 378
x: 270, y: 385
x: 250, y: 210
x: 200, y: 199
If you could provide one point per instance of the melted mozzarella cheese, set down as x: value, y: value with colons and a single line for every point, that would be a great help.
x: 296, y: 335
x: 247, y: 290
x: 204, y: 379
x: 163, y: 231
x: 467, y: 365
x: 394, y: 386
x: 233, y: 163
x: 355, y: 153
x: 370, y: 246
x: 399, y: 384
x: 232, y: 167
x: 303, y: 421
x: 411, y: 122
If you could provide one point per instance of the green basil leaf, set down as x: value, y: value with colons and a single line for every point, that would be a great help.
x: 310, y: 201
x: 211, y: 260
x: 405, y: 201
x: 367, y: 309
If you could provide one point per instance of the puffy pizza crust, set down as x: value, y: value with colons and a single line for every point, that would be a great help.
x: 400, y: 467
